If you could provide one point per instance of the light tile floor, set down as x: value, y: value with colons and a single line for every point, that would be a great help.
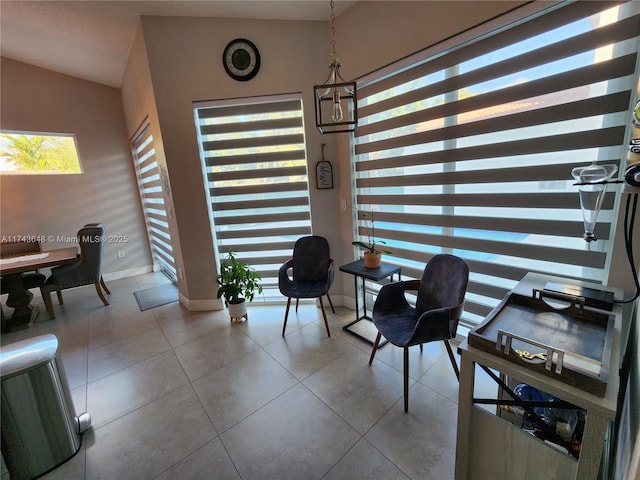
x: 187, y: 395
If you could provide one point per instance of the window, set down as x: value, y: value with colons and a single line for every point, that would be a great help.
x: 255, y: 172
x: 151, y: 182
x: 469, y: 150
x: 25, y: 153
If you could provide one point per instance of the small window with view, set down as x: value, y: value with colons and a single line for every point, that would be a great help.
x: 34, y: 153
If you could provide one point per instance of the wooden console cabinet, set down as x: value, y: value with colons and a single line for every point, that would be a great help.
x: 489, y: 446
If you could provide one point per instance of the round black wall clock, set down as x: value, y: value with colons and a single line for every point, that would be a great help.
x: 241, y: 59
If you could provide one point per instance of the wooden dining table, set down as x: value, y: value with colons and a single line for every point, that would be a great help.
x: 19, y: 298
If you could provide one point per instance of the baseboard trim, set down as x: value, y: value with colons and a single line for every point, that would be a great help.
x: 213, y: 304
x: 130, y: 272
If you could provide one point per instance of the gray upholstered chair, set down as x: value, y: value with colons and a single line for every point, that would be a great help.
x: 311, y: 274
x: 86, y: 271
x: 102, y: 284
x: 439, y: 305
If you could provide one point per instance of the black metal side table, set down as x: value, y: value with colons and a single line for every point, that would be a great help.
x: 366, y: 330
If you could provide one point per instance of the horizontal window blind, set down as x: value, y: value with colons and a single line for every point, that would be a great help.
x: 469, y: 151
x: 255, y: 171
x: 153, y: 203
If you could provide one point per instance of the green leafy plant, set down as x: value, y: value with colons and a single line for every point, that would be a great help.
x: 237, y: 280
x: 372, y: 245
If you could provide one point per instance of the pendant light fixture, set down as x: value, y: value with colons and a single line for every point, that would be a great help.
x: 335, y: 100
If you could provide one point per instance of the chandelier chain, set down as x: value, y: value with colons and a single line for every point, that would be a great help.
x: 334, y: 55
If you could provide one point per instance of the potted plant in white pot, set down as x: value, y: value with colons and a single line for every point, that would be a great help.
x: 238, y: 283
x: 372, y: 253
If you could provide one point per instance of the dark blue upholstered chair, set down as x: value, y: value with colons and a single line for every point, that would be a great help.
x: 311, y: 274
x: 439, y: 305
x: 86, y: 271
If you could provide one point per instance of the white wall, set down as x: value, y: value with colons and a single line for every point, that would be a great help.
x: 185, y: 63
x: 35, y: 99
x: 184, y: 60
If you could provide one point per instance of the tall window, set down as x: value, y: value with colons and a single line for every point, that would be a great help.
x: 255, y: 172
x: 150, y: 185
x: 469, y: 150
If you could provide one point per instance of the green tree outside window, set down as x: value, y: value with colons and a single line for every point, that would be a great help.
x: 40, y: 154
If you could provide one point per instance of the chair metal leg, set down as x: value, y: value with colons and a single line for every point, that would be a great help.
x: 375, y: 347
x: 406, y: 379
x: 324, y: 315
x: 286, y: 315
x: 100, y: 294
x: 331, y: 303
x: 297, y: 302
x: 453, y: 359
x: 104, y: 286
x: 60, y: 300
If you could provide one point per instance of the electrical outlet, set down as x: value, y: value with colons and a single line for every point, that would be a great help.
x: 343, y: 205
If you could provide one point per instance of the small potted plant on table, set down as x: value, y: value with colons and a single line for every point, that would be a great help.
x: 238, y: 283
x: 372, y: 254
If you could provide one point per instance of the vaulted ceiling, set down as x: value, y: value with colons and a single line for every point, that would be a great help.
x: 92, y: 39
